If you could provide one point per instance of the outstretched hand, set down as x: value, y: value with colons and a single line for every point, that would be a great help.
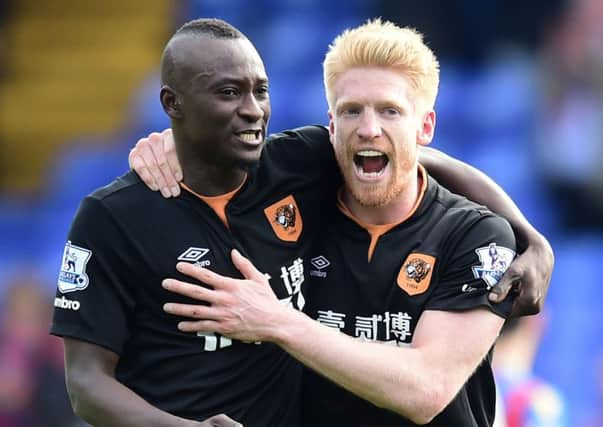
x: 244, y: 309
x: 529, y: 276
x: 155, y: 160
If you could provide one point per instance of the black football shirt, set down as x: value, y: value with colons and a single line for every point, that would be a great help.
x: 125, y: 239
x: 374, y: 287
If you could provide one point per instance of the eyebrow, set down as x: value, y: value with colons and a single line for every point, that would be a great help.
x: 237, y: 81
x: 379, y: 104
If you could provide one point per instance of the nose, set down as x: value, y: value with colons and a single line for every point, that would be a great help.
x: 369, y: 126
x: 251, y: 109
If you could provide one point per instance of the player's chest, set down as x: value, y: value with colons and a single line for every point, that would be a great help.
x: 377, y: 300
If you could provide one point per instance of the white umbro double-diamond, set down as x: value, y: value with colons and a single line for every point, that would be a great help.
x: 320, y: 262
x: 193, y: 254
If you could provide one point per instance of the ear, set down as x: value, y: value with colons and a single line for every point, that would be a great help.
x: 171, y: 102
x: 331, y: 127
x: 427, y: 128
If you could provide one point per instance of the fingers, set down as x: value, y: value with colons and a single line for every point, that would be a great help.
x: 200, y: 326
x: 189, y: 290
x: 168, y: 184
x: 202, y: 274
x: 501, y: 290
x: 145, y: 151
x: 192, y: 311
x: 246, y: 267
x: 137, y: 163
x: 150, y: 149
x: 510, y: 280
x: 169, y: 148
x: 529, y: 300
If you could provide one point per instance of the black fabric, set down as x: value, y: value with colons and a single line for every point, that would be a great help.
x: 136, y: 237
x: 362, y: 298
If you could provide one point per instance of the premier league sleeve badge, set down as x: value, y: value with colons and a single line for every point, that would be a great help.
x: 73, y: 275
x: 494, y: 262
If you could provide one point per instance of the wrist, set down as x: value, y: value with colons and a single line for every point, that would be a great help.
x: 292, y: 324
x: 526, y: 235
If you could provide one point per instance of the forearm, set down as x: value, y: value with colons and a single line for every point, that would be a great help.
x: 401, y: 379
x: 102, y: 401
x: 461, y: 178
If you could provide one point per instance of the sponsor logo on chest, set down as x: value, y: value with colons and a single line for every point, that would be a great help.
x: 194, y: 255
x: 320, y: 264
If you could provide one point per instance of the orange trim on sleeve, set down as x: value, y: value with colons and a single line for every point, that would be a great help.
x: 375, y: 230
x: 217, y: 203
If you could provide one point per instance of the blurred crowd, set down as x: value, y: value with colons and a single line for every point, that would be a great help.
x: 521, y: 98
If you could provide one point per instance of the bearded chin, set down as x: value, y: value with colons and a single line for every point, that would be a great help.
x: 374, y: 197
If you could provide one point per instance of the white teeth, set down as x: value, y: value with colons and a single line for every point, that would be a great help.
x: 248, y: 137
x: 369, y: 153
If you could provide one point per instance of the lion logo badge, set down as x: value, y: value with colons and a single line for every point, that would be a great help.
x: 414, y: 277
x: 417, y: 269
x: 285, y: 216
x: 285, y: 219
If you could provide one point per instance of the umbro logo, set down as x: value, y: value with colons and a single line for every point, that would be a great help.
x: 193, y: 254
x: 319, y: 263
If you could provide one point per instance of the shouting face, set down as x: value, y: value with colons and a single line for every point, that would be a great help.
x: 375, y: 126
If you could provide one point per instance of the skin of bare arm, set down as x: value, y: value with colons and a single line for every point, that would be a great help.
x: 99, y: 399
x: 417, y: 382
x: 154, y: 159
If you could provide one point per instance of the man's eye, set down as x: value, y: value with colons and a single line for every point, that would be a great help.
x: 391, y: 112
x: 350, y: 111
x: 229, y: 91
x: 262, y: 91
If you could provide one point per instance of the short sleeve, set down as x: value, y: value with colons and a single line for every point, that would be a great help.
x: 93, y: 301
x: 475, y: 264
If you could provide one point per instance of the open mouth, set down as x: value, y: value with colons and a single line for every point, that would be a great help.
x: 370, y: 163
x: 250, y: 136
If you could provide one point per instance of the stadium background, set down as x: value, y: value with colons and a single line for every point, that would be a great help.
x: 521, y: 98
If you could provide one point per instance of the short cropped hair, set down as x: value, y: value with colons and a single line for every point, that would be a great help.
x: 384, y: 44
x: 204, y: 27
x: 211, y: 27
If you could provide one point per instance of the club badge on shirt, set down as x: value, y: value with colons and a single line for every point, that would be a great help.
x: 285, y: 219
x: 73, y: 275
x: 414, y: 277
x: 494, y: 262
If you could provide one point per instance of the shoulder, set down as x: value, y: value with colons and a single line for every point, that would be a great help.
x: 463, y: 213
x: 301, y: 152
x: 312, y: 134
x: 459, y: 227
x: 123, y: 186
x: 305, y: 142
x: 124, y: 197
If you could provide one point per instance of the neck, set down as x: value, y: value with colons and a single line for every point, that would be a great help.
x: 393, y: 212
x: 211, y: 180
x: 202, y: 175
